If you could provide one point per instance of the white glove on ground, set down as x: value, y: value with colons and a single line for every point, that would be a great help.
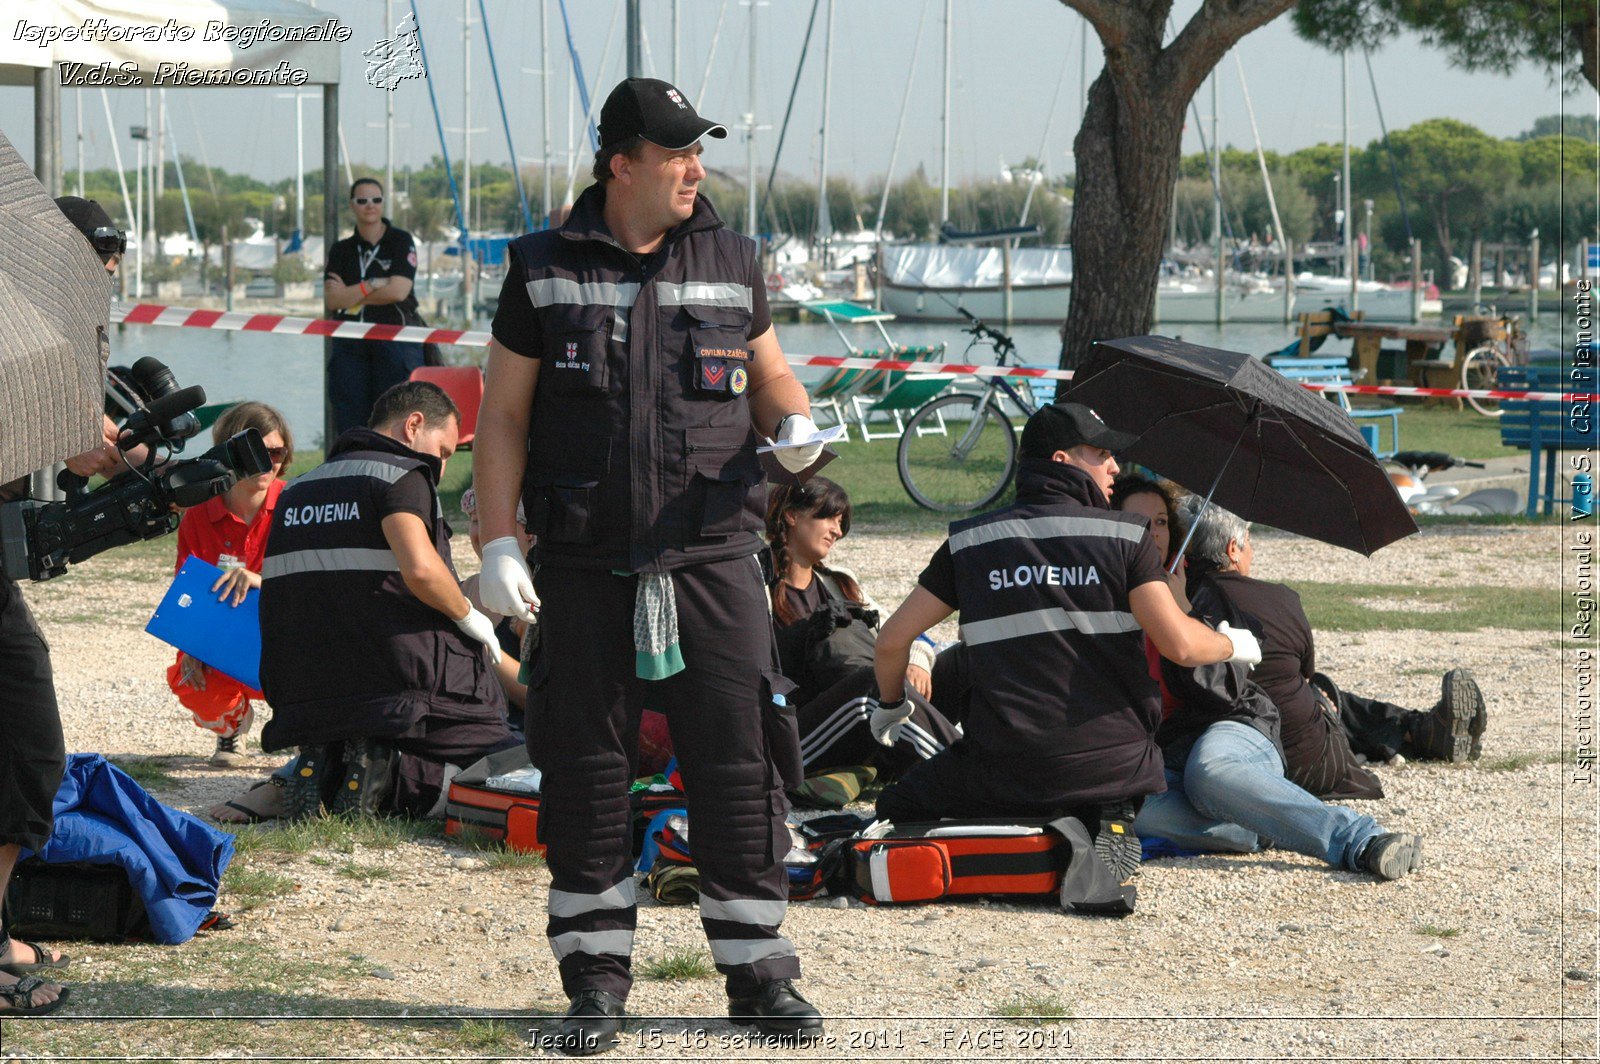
x: 886, y: 718
x: 505, y: 585
x: 797, y: 427
x: 476, y: 626
x: 1246, y: 649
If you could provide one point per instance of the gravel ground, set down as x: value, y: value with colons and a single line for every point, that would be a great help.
x: 1479, y: 955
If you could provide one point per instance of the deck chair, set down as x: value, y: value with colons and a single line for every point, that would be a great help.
x: 464, y: 385
x: 894, y: 394
x: 833, y: 393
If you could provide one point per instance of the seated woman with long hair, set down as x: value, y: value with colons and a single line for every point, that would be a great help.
x: 827, y: 627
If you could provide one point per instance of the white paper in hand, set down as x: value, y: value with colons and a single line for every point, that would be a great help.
x: 828, y: 435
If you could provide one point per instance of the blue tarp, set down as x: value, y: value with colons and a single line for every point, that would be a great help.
x: 486, y: 250
x: 173, y: 860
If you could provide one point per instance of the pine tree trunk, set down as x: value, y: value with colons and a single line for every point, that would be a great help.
x: 1127, y: 154
x: 1127, y: 158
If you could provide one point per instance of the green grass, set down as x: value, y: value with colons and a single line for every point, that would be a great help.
x: 1463, y: 433
x: 363, y: 873
x: 1349, y: 607
x: 148, y: 772
x: 678, y: 965
x: 489, y: 1034
x: 339, y: 834
x: 247, y: 887
x: 494, y: 853
x: 1435, y: 931
x: 1034, y: 1009
x: 1515, y: 762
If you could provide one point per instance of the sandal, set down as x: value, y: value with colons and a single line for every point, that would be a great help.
x: 13, y: 995
x: 42, y: 964
x: 253, y: 806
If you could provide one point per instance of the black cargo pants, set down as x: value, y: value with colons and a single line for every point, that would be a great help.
x: 737, y: 750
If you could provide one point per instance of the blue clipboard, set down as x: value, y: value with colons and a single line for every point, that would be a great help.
x: 225, y: 637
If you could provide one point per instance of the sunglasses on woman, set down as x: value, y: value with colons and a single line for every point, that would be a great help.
x: 364, y: 200
x: 279, y: 455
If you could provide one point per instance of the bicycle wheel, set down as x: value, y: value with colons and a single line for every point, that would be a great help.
x: 1479, y: 371
x: 957, y: 453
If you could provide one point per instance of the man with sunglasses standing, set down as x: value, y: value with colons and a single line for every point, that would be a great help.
x: 370, y: 275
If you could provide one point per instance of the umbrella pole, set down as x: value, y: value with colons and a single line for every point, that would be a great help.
x: 1188, y: 535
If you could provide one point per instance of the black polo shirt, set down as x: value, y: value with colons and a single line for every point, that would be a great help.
x: 394, y: 255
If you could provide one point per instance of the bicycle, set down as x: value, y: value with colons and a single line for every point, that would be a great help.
x: 959, y: 450
x: 1480, y: 369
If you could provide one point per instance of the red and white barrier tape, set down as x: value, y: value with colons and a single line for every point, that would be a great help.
x: 155, y: 314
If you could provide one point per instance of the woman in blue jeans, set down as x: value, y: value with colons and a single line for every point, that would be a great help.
x: 1226, y: 788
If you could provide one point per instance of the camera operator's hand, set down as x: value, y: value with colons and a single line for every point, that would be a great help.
x: 192, y: 671
x: 237, y: 583
x: 103, y: 460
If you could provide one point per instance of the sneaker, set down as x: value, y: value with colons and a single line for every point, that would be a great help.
x: 1116, y: 842
x: 368, y: 779
x: 229, y: 752
x: 777, y: 1009
x: 1393, y: 855
x: 308, y: 778
x: 592, y: 1024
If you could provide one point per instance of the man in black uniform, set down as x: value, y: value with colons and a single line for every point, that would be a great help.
x: 368, y: 646
x: 633, y: 363
x: 370, y: 274
x: 1053, y: 593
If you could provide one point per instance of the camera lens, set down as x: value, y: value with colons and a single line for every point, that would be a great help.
x: 154, y: 378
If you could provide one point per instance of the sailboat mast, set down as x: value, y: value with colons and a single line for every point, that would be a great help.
x: 544, y: 105
x: 388, y: 113
x: 944, y: 126
x: 1216, y: 192
x: 824, y: 218
x: 1344, y: 187
x: 750, y: 142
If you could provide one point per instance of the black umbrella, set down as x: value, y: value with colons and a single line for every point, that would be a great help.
x: 1272, y: 451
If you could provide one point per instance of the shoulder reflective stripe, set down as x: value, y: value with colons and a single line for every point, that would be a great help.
x: 1054, y: 619
x: 1044, y: 528
x: 748, y: 950
x: 548, y: 291
x: 331, y: 560
x: 760, y: 911
x: 591, y: 942
x: 671, y: 294
x: 569, y: 903
x: 353, y: 467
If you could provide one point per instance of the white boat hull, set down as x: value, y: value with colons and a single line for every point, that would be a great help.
x: 1047, y: 304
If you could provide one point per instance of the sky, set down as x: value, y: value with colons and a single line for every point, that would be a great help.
x: 1016, y: 85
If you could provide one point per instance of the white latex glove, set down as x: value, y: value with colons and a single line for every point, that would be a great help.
x: 797, y: 427
x: 476, y: 626
x: 505, y: 585
x: 1245, y: 647
x: 886, y: 718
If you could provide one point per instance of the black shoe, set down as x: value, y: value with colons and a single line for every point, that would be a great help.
x: 1445, y: 733
x: 1393, y: 855
x: 592, y: 1024
x: 309, y: 779
x: 1116, y: 842
x: 368, y: 779
x: 1461, y: 690
x: 778, y: 1009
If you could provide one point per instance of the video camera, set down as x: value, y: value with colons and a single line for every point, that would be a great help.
x: 38, y: 539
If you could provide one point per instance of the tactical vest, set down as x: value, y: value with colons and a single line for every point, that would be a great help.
x: 1065, y: 709
x: 346, y: 649
x: 641, y: 455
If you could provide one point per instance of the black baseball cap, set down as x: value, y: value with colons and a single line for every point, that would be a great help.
x: 654, y: 110
x: 95, y: 224
x: 1063, y: 426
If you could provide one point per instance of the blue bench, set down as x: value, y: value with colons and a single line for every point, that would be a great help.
x: 1335, y: 373
x: 1546, y: 427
